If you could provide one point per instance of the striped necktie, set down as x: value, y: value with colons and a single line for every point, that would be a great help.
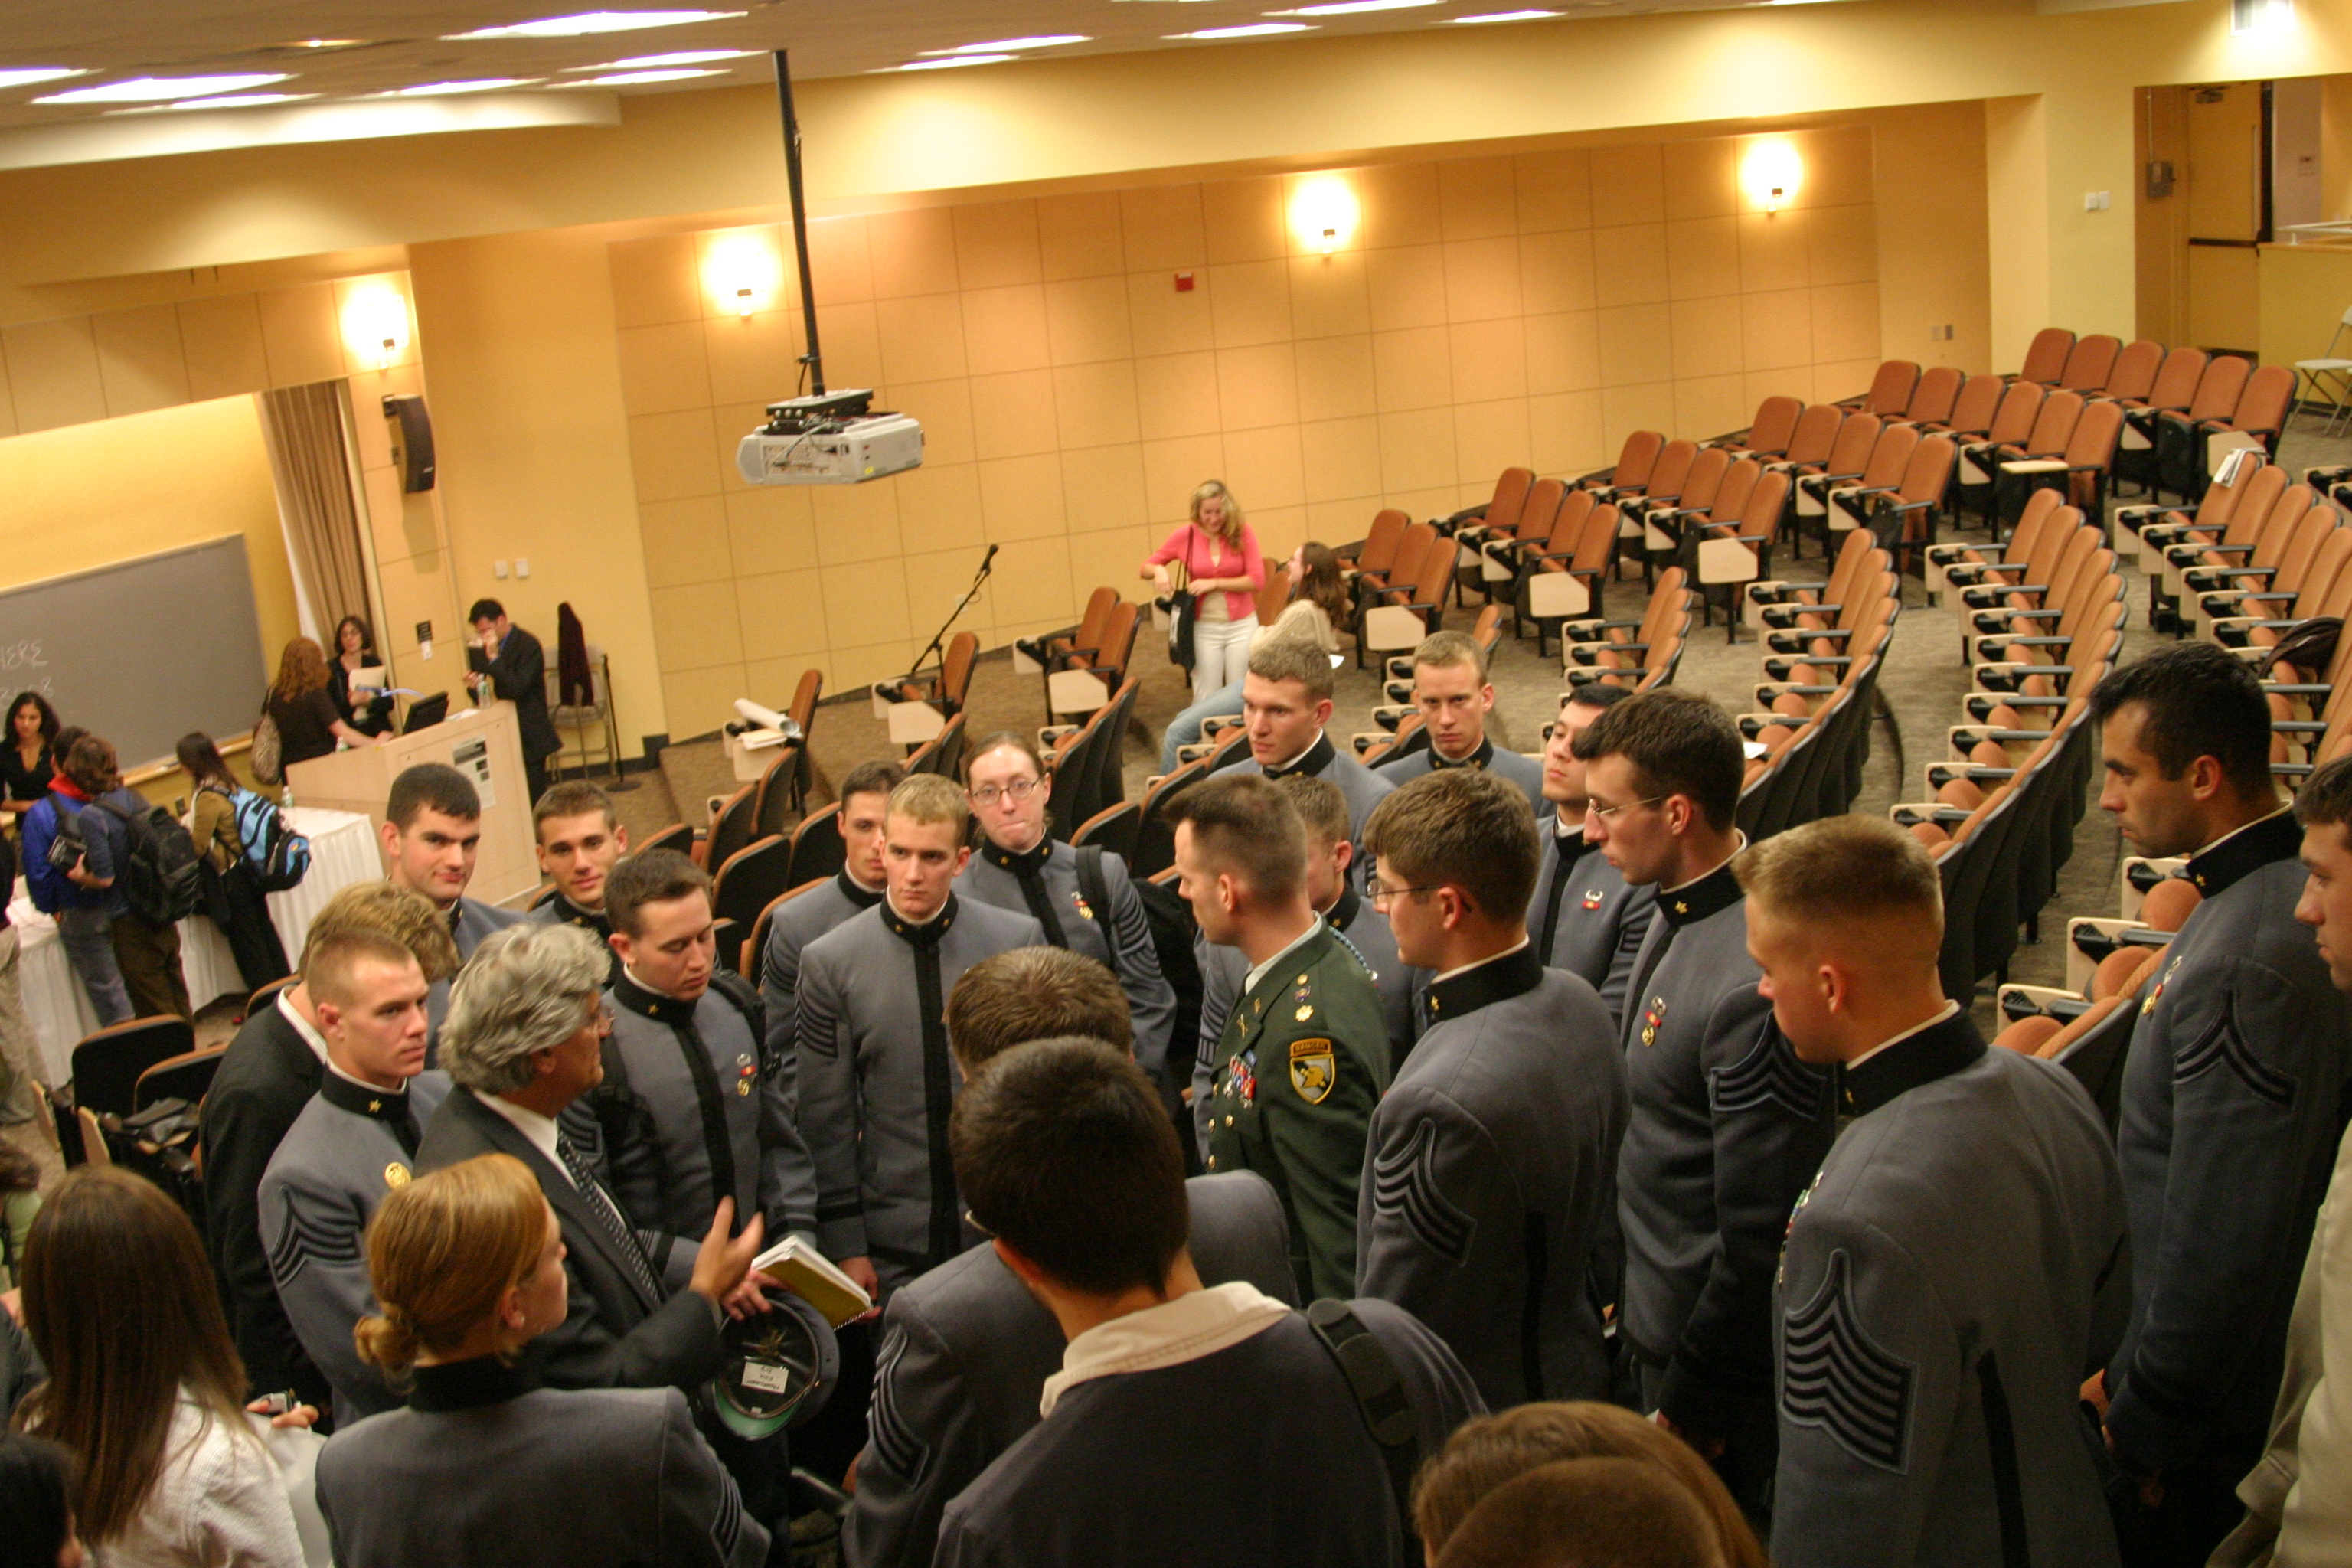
x: 616, y: 1229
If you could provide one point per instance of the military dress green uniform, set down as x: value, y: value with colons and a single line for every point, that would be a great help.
x: 1302, y: 1064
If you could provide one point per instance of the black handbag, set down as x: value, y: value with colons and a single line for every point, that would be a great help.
x: 1181, y: 610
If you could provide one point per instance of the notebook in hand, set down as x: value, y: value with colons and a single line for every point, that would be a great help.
x: 806, y: 1273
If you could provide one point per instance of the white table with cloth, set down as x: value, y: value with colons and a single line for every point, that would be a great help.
x: 342, y: 851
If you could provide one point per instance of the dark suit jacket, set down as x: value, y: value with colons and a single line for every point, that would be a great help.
x: 614, y: 1335
x: 520, y: 675
x: 267, y: 1077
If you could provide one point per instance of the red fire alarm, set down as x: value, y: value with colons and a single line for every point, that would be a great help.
x: 1184, y: 283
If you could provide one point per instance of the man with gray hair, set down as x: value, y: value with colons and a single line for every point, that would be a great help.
x: 524, y: 1039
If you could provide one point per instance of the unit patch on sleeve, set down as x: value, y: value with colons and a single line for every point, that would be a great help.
x: 1313, y: 1068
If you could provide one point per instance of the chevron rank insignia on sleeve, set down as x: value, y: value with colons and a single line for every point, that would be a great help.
x: 300, y: 1241
x: 2223, y: 1045
x: 1404, y: 1187
x: 1768, y: 1074
x: 887, y: 1434
x: 1836, y: 1378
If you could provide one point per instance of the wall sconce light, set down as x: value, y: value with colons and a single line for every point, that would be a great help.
x: 742, y: 273
x: 375, y: 324
x: 1323, y: 213
x: 2255, y: 16
x: 1771, y: 173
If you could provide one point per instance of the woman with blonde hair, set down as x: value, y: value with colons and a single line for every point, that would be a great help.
x: 1216, y: 553
x: 483, y: 1465
x: 302, y: 706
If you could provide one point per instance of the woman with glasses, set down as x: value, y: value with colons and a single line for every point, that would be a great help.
x: 1084, y: 898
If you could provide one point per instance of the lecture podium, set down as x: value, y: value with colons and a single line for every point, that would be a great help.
x: 485, y: 744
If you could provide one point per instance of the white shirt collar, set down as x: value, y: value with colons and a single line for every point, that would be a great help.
x: 541, y: 1129
x: 1259, y: 972
x: 2242, y: 828
x: 1490, y: 958
x: 1563, y: 828
x: 1196, y: 1324
x: 1711, y: 871
x: 302, y: 1026
x: 859, y: 882
x: 1920, y: 1027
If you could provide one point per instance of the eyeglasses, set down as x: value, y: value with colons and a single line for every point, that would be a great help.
x: 1019, y: 789
x: 1610, y: 813
x: 1383, y: 897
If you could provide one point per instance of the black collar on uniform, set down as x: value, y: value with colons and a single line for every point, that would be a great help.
x: 1482, y: 984
x: 387, y: 1105
x: 2252, y: 848
x: 1480, y: 758
x: 1344, y: 908
x: 453, y: 914
x: 1935, y: 1052
x: 927, y: 934
x: 472, y: 1384
x: 853, y: 893
x: 1715, y: 891
x: 651, y: 1004
x: 571, y: 913
x: 1030, y: 861
x: 1317, y: 757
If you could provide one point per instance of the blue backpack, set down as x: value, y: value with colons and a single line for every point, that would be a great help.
x: 278, y: 856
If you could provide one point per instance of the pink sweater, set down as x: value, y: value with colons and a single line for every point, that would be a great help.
x: 1205, y: 556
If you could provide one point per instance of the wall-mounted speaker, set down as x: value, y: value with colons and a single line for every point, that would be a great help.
x: 412, y: 442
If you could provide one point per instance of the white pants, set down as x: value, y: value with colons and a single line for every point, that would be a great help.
x: 1220, y: 654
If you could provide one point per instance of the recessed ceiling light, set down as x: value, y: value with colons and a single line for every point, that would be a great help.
x: 442, y: 88
x: 659, y: 62
x: 147, y: 89
x: 1497, y: 16
x: 1253, y: 30
x: 27, y: 75
x: 595, y: 22
x: 950, y: 63
x: 1043, y: 41
x: 1349, y: 7
x: 631, y: 79
x: 239, y: 101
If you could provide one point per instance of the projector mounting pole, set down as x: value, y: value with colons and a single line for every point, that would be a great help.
x: 813, y: 359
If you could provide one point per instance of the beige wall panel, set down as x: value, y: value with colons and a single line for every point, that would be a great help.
x: 772, y: 528
x: 1564, y: 432
x: 938, y: 508
x: 1249, y: 302
x: 699, y: 701
x: 1554, y: 190
x: 1329, y: 295
x: 841, y: 260
x: 1161, y: 228
x: 1845, y: 322
x: 1702, y: 258
x: 695, y: 624
x: 1012, y: 415
x: 922, y: 337
x: 1709, y: 406
x: 913, y: 252
x: 140, y: 363
x: 1482, y: 278
x: 856, y: 523
x: 944, y: 408
x: 299, y: 334
x: 1166, y: 320
x: 752, y: 359
x: 1079, y: 234
x: 1477, y: 198
x: 1335, y: 377
x: 1266, y: 464
x: 1176, y: 395
x: 1488, y: 360
x: 936, y: 580
x: 222, y: 340
x: 1094, y: 404
x: 1636, y: 344
x: 1628, y: 184
x: 1004, y: 329
x: 1842, y: 244
x: 1407, y: 286
x: 872, y: 603
x: 1417, y: 448
x: 1243, y: 220
x: 1102, y: 487
x: 1625, y: 409
x: 1707, y: 336
x: 1413, y: 369
x: 654, y: 280
x: 1629, y: 264
x: 1401, y: 205
x: 1172, y: 469
x: 1777, y: 328
x: 1489, y: 437
x: 1033, y: 581
x: 1257, y: 386
x: 782, y: 614
x: 687, y: 541
x: 1340, y: 458
x: 1772, y: 251
x: 7, y: 402
x: 673, y: 455
x: 1021, y: 498
x: 1087, y: 319
x: 996, y: 244
x: 1556, y: 272
x: 53, y: 373
x: 665, y: 368
x: 1700, y: 178
x: 1107, y: 558
x: 1564, y: 352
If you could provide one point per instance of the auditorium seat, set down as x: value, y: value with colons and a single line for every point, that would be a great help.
x: 2179, y: 462
x: 2256, y: 620
x: 1933, y: 399
x: 755, y: 946
x: 1769, y: 431
x: 818, y: 851
x: 2134, y: 373
x: 751, y: 878
x: 1890, y: 390
x: 2045, y: 357
x: 1890, y: 454
x: 2088, y: 362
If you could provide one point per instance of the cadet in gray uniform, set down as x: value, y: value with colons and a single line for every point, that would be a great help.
x: 876, y: 1079
x: 2232, y: 1093
x: 1960, y: 1258
x: 579, y: 840
x: 1451, y: 689
x: 1489, y: 1174
x: 1727, y: 1125
x: 1208, y: 1425
x: 848, y: 892
x: 1332, y: 894
x: 1584, y: 917
x: 431, y: 832
x: 966, y: 1349
x: 1082, y: 898
x: 692, y: 1107
x: 1286, y: 702
x: 355, y: 1141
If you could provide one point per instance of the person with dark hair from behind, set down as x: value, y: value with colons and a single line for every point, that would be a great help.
x: 966, y: 1350
x: 1727, y: 1125
x: 146, y: 952
x: 36, y: 1493
x: 272, y: 1067
x: 1173, y: 1396
x: 579, y: 839
x: 2290, y: 1520
x: 854, y: 888
x: 1585, y: 917
x: 233, y: 892
x: 431, y: 832
x: 483, y: 1465
x: 1491, y: 1451
x: 144, y: 1389
x: 1305, y: 1055
x: 2232, y: 1097
x: 506, y: 663
x: 27, y: 762
x: 81, y: 906
x: 1961, y: 1255
x: 1488, y: 1171
x: 1453, y: 697
x: 1585, y: 1513
x: 301, y: 703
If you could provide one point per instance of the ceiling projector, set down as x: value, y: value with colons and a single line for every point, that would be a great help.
x: 833, y: 439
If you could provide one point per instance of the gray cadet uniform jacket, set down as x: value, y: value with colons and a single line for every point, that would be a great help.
x: 1256, y: 1453
x: 1515, y: 767
x: 1044, y: 884
x: 1365, y: 930
x: 471, y: 924
x: 1491, y: 1160
x: 878, y: 1079
x: 790, y: 930
x: 483, y: 1466
x: 1958, y: 1265
x: 965, y: 1353
x: 1585, y: 918
x: 560, y: 910
x: 1727, y: 1126
x: 692, y: 1112
x: 1362, y: 787
x: 350, y: 1146
x: 2233, y: 1105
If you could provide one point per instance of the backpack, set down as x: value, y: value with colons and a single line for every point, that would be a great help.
x: 278, y: 856
x: 159, y: 878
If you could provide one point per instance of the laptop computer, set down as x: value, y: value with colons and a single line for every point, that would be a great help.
x: 425, y: 712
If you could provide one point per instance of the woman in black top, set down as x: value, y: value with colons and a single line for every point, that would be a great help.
x: 355, y: 649
x: 303, y: 708
x: 26, y: 765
